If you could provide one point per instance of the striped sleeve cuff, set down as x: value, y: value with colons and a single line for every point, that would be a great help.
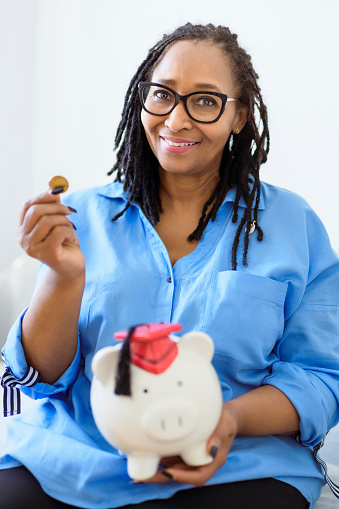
x: 11, y: 396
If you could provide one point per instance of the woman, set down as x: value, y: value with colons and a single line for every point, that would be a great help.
x: 162, y: 244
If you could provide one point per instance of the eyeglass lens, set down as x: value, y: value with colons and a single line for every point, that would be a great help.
x: 202, y: 107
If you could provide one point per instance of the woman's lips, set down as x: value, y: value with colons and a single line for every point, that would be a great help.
x: 177, y: 145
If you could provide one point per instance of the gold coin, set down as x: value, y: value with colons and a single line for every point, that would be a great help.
x: 58, y: 182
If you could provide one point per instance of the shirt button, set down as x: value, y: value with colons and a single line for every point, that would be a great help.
x: 169, y: 279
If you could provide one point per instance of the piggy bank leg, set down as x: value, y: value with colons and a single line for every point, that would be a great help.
x: 196, y: 456
x: 142, y: 465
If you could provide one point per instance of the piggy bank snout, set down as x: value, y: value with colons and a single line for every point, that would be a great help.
x: 170, y: 420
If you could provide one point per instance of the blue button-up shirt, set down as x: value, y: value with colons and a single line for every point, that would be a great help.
x: 273, y: 322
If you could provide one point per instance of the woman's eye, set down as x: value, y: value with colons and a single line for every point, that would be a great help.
x: 160, y: 95
x: 205, y: 101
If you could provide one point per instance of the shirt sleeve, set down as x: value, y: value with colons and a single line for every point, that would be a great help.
x: 307, y: 366
x: 14, y: 359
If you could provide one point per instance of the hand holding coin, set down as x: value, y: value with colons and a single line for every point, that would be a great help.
x: 46, y: 232
x: 58, y: 185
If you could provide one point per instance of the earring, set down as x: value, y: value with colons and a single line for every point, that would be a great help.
x: 252, y: 229
x: 237, y: 131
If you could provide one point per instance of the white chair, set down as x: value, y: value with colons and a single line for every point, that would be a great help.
x: 16, y: 287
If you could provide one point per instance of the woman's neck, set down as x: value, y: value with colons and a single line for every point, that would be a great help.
x: 182, y: 199
x: 186, y: 193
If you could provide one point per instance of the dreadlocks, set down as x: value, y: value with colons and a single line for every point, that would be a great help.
x: 243, y: 154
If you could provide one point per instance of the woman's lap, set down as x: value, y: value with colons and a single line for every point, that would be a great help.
x: 253, y: 494
x: 20, y: 490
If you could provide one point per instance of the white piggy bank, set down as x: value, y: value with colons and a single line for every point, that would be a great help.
x: 169, y: 413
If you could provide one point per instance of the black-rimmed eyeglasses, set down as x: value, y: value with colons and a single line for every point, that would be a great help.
x: 202, y: 106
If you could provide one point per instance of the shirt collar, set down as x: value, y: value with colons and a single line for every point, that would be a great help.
x: 115, y: 190
x: 230, y: 197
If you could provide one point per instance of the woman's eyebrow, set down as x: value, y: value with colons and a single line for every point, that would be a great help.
x: 200, y: 85
x: 207, y: 86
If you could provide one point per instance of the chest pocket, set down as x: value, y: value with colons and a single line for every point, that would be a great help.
x: 244, y: 315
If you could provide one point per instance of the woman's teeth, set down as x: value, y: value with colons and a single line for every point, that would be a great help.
x: 179, y: 144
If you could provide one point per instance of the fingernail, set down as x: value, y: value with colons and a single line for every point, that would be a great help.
x: 71, y: 209
x: 73, y: 225
x: 214, y: 451
x: 57, y: 190
x: 167, y: 474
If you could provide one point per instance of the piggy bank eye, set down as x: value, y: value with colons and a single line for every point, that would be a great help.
x: 180, y: 383
x: 145, y: 390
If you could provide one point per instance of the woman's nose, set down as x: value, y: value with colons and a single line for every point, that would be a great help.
x: 178, y: 119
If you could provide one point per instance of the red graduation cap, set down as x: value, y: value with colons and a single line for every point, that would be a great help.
x: 150, y: 347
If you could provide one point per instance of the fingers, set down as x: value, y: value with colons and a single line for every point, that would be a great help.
x: 38, y: 218
x: 46, y: 233
x: 162, y: 474
x: 42, y: 231
x: 45, y: 197
x: 37, y: 210
x: 49, y: 238
x: 182, y: 473
x: 224, y: 433
x: 174, y: 469
x: 52, y: 248
x: 36, y: 229
x: 197, y: 476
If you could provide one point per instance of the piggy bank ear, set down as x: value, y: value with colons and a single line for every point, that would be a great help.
x: 104, y: 363
x: 198, y: 342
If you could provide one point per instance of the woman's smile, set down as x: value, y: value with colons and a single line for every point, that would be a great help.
x: 177, y: 145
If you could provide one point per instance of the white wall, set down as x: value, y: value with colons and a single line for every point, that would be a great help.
x: 65, y: 66
x: 18, y: 29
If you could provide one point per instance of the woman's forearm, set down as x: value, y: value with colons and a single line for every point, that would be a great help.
x: 264, y: 411
x: 50, y: 326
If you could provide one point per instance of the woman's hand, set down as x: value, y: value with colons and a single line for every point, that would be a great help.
x: 218, y: 446
x: 47, y: 234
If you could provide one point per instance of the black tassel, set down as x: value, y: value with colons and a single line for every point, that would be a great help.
x: 123, y: 376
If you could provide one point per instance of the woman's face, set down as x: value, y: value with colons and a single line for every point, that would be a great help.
x: 189, y: 67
